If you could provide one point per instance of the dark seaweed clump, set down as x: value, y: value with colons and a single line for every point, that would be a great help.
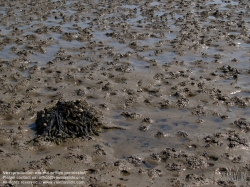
x: 69, y: 119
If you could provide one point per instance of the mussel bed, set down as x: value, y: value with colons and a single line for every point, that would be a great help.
x: 68, y: 119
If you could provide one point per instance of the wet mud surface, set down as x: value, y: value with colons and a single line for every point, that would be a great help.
x: 173, y: 74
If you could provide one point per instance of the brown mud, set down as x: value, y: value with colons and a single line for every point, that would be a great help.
x: 174, y: 74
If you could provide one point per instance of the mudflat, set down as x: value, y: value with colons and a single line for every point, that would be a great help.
x: 169, y: 81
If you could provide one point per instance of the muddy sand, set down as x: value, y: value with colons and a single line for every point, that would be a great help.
x: 171, y: 75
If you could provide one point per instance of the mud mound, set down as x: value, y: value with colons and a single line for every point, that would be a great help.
x: 69, y: 119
